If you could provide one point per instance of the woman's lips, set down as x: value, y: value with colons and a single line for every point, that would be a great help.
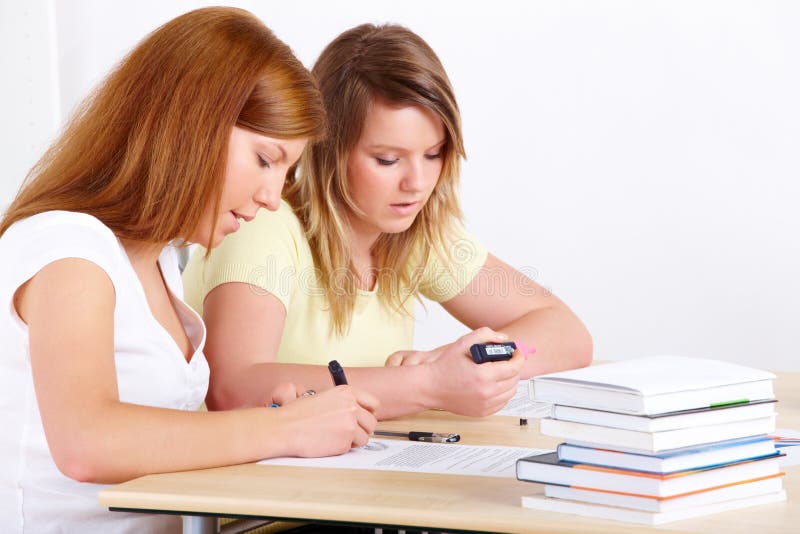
x: 235, y: 222
x: 404, y: 208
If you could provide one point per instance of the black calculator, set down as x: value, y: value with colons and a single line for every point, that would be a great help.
x: 492, y: 352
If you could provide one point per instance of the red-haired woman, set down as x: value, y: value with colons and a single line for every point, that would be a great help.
x: 102, y: 367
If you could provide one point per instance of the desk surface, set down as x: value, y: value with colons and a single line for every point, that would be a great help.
x: 440, y: 502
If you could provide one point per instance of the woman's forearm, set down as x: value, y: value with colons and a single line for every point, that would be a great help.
x: 400, y: 390
x: 559, y: 337
x: 110, y: 441
x: 116, y: 441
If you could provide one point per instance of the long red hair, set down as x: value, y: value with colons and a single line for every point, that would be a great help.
x: 146, y: 152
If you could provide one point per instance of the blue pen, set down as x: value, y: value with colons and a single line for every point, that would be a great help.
x: 337, y: 373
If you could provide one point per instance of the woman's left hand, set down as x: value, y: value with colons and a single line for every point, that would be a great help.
x: 287, y: 392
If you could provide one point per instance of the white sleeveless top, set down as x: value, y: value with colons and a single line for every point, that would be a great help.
x: 151, y: 370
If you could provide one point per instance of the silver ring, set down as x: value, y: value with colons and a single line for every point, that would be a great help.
x: 309, y: 393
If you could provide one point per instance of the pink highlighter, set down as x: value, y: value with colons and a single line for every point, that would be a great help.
x: 526, y: 350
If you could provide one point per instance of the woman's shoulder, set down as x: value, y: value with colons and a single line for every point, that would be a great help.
x: 255, y: 254
x: 61, y: 229
x: 451, y: 244
x: 276, y: 233
x: 57, y: 218
x: 283, y: 218
x: 268, y: 230
x: 31, y: 243
x: 451, y: 263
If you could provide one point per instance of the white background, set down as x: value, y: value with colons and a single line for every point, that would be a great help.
x: 640, y: 157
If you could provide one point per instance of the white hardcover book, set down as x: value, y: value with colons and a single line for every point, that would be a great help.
x: 745, y: 490
x: 695, y: 457
x: 548, y: 504
x: 652, y: 442
x: 685, y: 419
x: 654, y: 385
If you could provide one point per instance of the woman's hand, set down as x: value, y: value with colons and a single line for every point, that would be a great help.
x: 287, y: 392
x: 326, y: 423
x: 463, y: 387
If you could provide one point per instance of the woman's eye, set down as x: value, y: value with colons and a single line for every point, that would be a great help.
x: 434, y: 156
x: 385, y: 162
x: 262, y: 162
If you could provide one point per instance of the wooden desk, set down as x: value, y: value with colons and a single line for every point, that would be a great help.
x: 426, y: 501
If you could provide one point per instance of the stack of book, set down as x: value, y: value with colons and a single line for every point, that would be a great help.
x: 654, y: 440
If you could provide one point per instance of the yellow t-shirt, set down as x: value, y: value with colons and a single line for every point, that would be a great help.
x: 272, y: 254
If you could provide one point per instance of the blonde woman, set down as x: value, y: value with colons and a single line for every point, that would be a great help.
x: 102, y: 364
x: 371, y: 221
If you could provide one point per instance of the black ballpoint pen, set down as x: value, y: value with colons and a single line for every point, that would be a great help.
x: 337, y: 373
x: 432, y: 437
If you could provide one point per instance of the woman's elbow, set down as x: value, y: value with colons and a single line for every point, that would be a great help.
x: 82, y: 463
x: 222, y: 397
x: 78, y: 469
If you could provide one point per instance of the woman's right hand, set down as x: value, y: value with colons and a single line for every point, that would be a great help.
x: 328, y: 423
x: 463, y: 387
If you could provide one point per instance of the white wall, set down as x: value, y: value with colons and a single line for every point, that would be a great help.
x: 641, y: 157
x: 29, y: 114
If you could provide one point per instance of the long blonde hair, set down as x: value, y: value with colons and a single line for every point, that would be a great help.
x: 367, y: 62
x: 146, y: 153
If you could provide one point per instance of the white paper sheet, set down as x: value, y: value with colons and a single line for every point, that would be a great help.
x: 521, y: 404
x: 411, y: 456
